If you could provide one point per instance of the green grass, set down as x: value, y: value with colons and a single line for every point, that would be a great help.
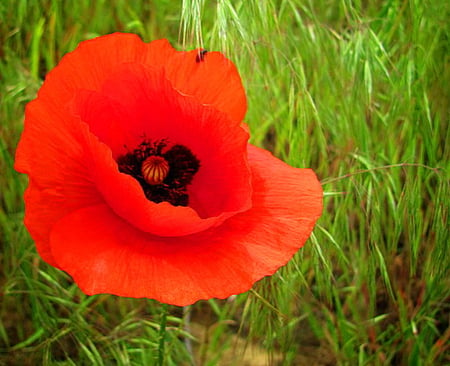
x: 356, y: 90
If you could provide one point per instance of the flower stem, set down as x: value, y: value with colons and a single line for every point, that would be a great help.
x: 162, y: 334
x: 187, y: 329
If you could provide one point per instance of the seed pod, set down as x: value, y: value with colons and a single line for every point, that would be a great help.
x: 154, y: 170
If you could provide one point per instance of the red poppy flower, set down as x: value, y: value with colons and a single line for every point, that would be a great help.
x: 142, y: 182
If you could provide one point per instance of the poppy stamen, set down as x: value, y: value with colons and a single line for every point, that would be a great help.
x: 163, y: 172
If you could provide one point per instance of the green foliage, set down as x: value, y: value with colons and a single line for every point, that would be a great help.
x: 356, y: 90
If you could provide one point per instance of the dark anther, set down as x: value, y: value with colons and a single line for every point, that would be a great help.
x: 159, y: 183
x: 183, y: 165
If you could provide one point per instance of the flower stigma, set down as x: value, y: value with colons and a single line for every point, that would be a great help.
x: 163, y: 173
x: 154, y: 169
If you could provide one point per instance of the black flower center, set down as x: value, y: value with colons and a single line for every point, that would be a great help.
x: 163, y: 173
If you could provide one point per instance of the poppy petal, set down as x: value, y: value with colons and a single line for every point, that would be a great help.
x: 215, y: 81
x: 221, y: 188
x: 106, y: 119
x: 94, y: 60
x: 51, y: 152
x: 44, y: 207
x: 116, y: 258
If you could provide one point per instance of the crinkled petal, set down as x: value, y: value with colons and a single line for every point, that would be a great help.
x: 152, y: 109
x: 93, y: 61
x: 52, y: 152
x: 114, y: 257
x: 215, y: 81
x: 71, y: 168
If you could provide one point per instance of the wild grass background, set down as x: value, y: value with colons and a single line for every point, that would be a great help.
x: 356, y: 90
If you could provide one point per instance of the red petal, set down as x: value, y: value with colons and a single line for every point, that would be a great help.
x: 220, y: 189
x: 94, y: 60
x: 46, y: 206
x: 107, y: 119
x: 215, y: 81
x: 104, y: 254
x: 51, y: 152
